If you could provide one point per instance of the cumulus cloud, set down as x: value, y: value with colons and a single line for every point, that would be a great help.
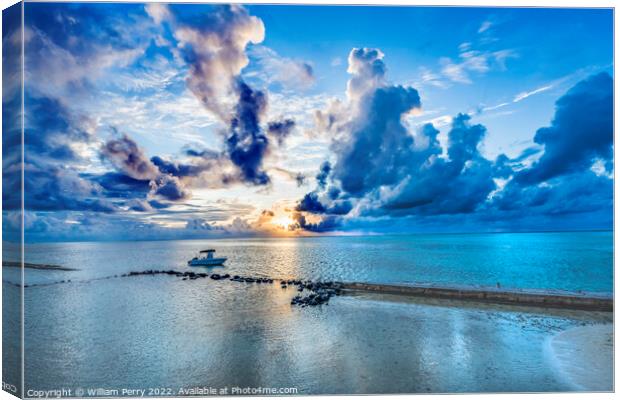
x: 381, y: 169
x: 124, y: 153
x: 54, y: 139
x: 169, y: 187
x: 214, y: 48
x: 367, y: 71
x: 378, y: 143
x: 580, y: 132
x: 563, y: 181
x: 434, y: 185
x: 380, y: 166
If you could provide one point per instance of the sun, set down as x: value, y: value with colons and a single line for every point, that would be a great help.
x: 283, y: 221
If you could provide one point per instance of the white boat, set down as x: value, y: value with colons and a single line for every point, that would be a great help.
x: 205, y: 259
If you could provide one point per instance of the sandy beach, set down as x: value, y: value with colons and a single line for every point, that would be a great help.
x: 584, y: 357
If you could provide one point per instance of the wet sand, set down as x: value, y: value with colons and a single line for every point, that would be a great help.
x: 584, y: 357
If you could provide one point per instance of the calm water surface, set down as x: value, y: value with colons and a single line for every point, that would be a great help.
x: 163, y: 332
x: 565, y: 261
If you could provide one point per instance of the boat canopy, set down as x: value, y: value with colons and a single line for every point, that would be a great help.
x: 207, y: 251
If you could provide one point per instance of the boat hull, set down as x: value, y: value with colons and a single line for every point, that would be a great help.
x: 206, y: 262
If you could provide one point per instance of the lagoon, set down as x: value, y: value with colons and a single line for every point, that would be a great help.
x: 159, y: 331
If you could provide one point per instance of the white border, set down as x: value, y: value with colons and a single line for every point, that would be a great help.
x: 478, y: 3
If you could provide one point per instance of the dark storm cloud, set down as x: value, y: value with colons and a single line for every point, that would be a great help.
x: 179, y: 169
x: 120, y: 185
x: 311, y: 203
x: 280, y: 130
x: 321, y: 177
x: 327, y: 224
x: 246, y: 144
x: 202, y: 153
x: 581, y: 130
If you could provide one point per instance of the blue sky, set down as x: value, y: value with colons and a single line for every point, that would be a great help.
x: 182, y: 121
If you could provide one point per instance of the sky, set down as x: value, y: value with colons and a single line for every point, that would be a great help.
x: 188, y: 121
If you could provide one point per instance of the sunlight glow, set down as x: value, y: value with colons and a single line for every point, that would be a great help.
x: 283, y: 222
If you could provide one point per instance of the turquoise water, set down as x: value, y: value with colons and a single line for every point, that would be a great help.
x: 569, y: 261
x: 161, y: 332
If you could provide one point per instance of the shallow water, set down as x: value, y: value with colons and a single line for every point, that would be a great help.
x: 161, y: 332
x: 565, y: 261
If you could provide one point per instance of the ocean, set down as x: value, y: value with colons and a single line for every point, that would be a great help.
x: 162, y: 332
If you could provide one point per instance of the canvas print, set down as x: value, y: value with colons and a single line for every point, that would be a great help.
x: 226, y: 199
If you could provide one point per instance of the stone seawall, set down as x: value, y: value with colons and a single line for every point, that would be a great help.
x: 522, y: 298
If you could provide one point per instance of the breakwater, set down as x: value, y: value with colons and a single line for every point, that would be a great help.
x: 314, y: 293
x: 575, y: 301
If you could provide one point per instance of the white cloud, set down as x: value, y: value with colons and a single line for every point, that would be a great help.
x: 473, y: 61
x: 429, y: 77
x: 454, y: 71
x: 525, y: 95
x: 275, y: 68
x: 485, y: 26
x: 440, y: 121
x: 158, y: 11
